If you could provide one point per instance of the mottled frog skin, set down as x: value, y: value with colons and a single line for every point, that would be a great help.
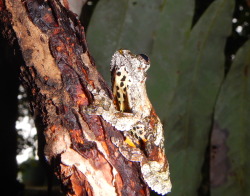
x: 132, y: 113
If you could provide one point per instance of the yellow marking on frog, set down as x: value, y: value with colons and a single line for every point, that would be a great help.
x: 120, y: 87
x: 129, y: 142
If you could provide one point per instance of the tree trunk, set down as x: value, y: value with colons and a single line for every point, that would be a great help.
x: 57, y: 72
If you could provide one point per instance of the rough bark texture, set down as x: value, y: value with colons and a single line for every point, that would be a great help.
x: 57, y: 72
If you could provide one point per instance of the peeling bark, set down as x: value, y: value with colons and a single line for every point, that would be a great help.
x: 57, y: 72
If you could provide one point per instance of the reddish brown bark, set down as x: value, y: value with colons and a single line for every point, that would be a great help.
x: 57, y: 72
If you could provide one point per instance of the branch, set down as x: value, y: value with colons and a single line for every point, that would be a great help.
x: 57, y: 72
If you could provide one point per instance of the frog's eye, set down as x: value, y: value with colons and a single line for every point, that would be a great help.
x: 145, y: 57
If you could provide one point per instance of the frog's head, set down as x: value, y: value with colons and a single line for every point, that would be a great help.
x: 132, y: 66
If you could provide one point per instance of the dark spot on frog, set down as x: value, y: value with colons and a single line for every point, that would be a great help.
x: 123, y: 78
x: 118, y: 73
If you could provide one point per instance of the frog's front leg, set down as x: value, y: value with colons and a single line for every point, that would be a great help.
x: 105, y: 107
x: 129, y: 151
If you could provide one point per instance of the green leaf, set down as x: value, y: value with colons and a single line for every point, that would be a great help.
x: 191, y: 95
x: 187, y: 69
x: 122, y: 24
x: 232, y: 120
x: 171, y: 36
x: 189, y: 81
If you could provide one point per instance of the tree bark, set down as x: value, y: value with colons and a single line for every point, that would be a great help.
x: 57, y: 71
